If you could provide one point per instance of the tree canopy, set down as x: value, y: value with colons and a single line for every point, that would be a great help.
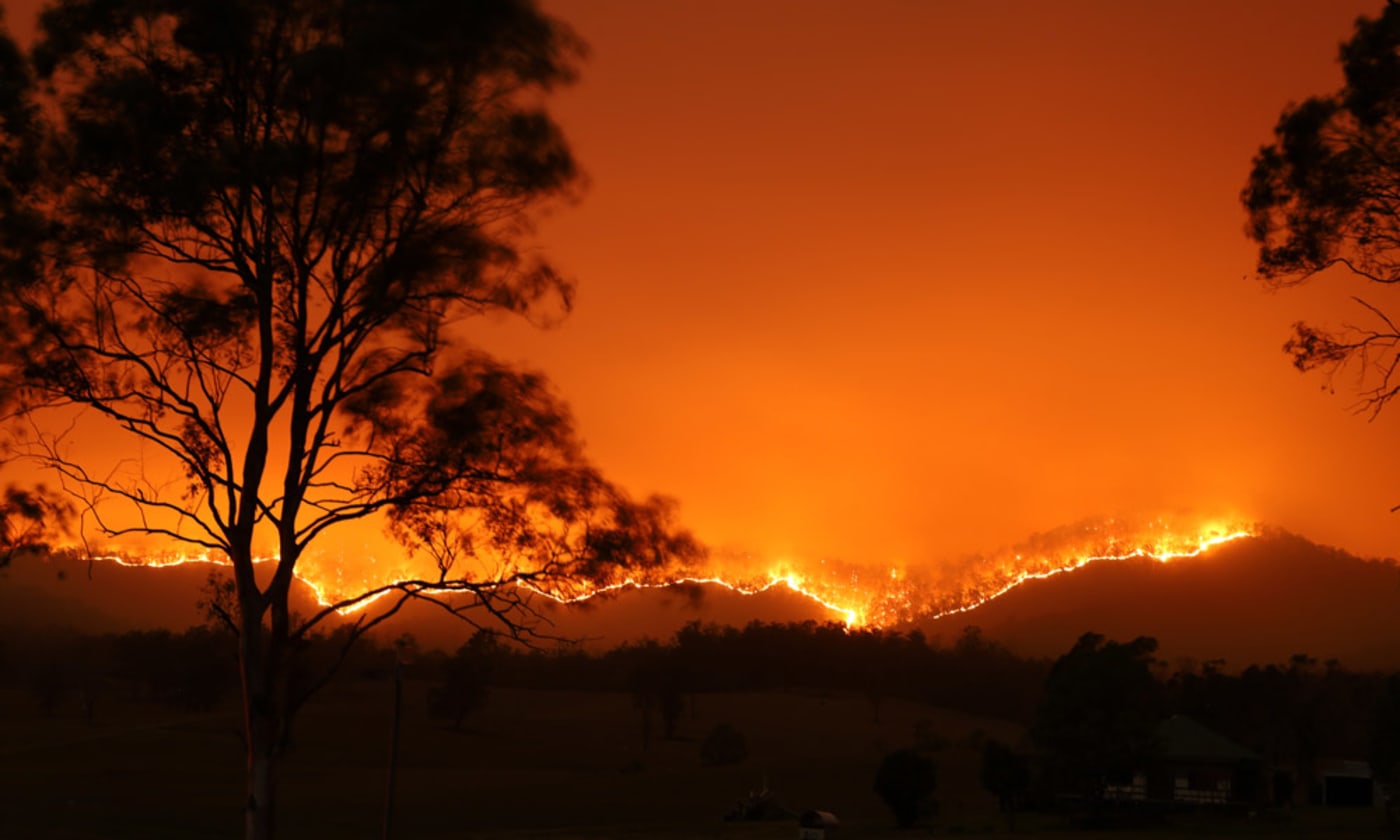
x: 265, y: 225
x: 1100, y: 711
x: 1325, y: 194
x: 905, y: 781
x: 247, y: 239
x: 28, y: 515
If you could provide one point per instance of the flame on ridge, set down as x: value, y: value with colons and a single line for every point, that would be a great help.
x: 860, y: 595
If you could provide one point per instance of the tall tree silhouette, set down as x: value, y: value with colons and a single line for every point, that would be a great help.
x: 1007, y: 776
x: 264, y: 227
x: 1099, y: 715
x: 1323, y: 195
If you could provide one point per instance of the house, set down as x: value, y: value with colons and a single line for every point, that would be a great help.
x: 1199, y: 766
x: 1194, y: 765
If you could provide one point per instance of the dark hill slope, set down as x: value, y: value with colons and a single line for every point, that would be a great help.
x: 1258, y: 600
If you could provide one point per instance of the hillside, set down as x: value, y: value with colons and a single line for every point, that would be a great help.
x: 1259, y: 600
x: 106, y: 597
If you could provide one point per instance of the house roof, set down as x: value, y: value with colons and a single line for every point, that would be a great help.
x: 1182, y: 738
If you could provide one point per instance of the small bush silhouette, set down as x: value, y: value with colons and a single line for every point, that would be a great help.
x: 724, y: 745
x: 905, y: 779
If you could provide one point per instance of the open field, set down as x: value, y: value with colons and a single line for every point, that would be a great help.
x: 532, y: 764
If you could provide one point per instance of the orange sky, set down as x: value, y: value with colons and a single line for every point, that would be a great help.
x: 897, y: 280
x: 894, y: 281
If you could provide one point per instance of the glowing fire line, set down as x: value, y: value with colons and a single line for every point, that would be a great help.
x: 1206, y: 544
x: 853, y: 617
x: 884, y: 600
x: 792, y: 582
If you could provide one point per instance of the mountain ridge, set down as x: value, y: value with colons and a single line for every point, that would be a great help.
x: 1260, y: 599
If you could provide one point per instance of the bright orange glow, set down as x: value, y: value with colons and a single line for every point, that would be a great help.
x: 865, y: 598
x: 858, y: 596
x: 886, y: 283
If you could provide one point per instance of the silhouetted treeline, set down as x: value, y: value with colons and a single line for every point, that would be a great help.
x: 194, y: 670
x: 973, y: 674
x: 63, y: 671
x: 1292, y: 714
x: 1107, y: 712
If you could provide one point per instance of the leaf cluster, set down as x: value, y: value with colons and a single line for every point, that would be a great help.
x: 1325, y: 194
x: 1100, y: 711
x: 264, y: 230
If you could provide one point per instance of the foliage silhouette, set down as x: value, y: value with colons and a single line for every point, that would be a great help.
x: 974, y: 675
x: 189, y: 671
x: 1282, y: 711
x: 1007, y: 776
x: 466, y: 679
x: 250, y: 240
x: 1321, y: 195
x: 1099, y: 713
x: 655, y: 684
x: 904, y: 781
x: 30, y: 517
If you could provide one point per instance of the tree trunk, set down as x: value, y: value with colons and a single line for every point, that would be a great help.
x: 260, y: 730
x: 258, y: 819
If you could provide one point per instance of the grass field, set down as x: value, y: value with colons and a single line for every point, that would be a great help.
x: 531, y: 764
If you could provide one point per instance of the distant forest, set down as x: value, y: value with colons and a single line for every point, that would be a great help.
x: 1290, y: 713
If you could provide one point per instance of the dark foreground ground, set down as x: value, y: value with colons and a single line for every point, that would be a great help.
x: 531, y: 764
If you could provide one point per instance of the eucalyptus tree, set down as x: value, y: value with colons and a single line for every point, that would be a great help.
x: 267, y: 228
x: 1323, y: 198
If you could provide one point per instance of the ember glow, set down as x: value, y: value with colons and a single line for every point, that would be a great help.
x: 860, y: 595
x: 865, y: 595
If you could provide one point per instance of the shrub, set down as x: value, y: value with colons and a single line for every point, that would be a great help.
x: 905, y: 779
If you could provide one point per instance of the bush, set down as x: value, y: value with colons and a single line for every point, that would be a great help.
x: 905, y: 779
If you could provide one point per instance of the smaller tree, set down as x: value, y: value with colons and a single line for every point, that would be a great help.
x: 466, y: 679
x: 656, y: 687
x: 1006, y: 776
x: 1100, y: 713
x: 1321, y: 199
x: 905, y: 781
